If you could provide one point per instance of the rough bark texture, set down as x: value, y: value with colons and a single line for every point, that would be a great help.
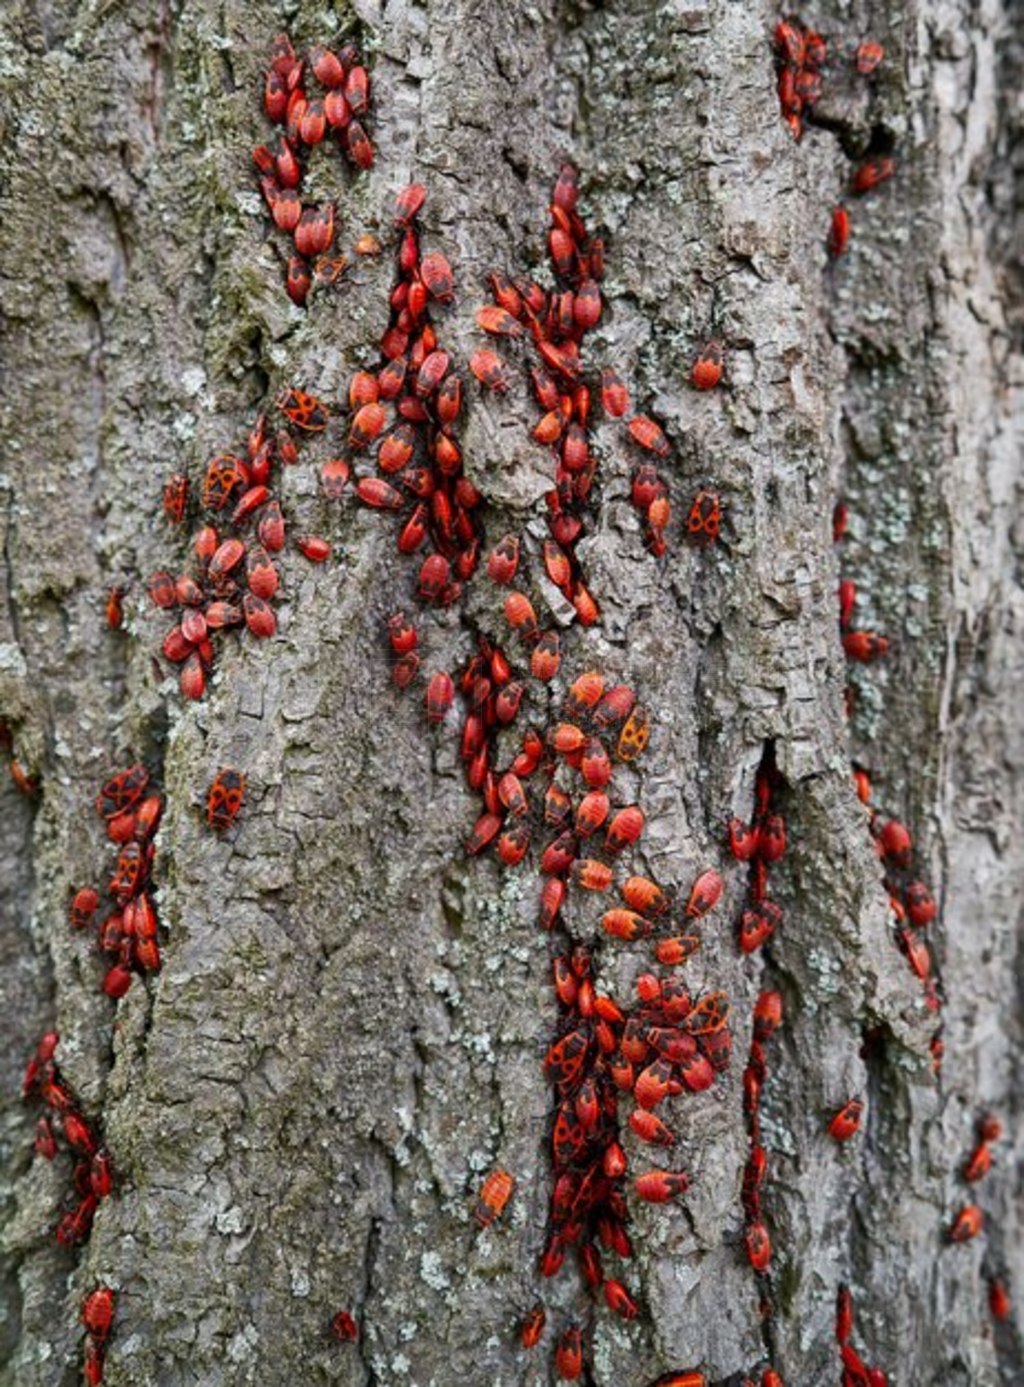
x: 348, y: 1026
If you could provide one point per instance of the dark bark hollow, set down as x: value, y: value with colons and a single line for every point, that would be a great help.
x: 348, y: 1027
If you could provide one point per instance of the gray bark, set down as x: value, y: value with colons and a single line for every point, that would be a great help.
x: 348, y: 1028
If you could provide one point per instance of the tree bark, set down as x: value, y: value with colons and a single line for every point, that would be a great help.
x: 348, y: 1028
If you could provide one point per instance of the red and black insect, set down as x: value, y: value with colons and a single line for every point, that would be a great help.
x: 98, y: 1311
x: 846, y: 1121
x: 114, y: 610
x: 532, y: 1328
x: 224, y: 798
x: 634, y: 736
x: 303, y: 410
x: 569, y: 1354
x: 437, y: 276
x: 967, y: 1224
x: 839, y: 233
x: 707, y: 367
x: 224, y: 475
x: 871, y: 173
x: 344, y: 1327
x: 176, y: 497
x: 489, y: 370
x: 759, y: 1246
x: 869, y: 55
x: 495, y: 1192
x: 705, y: 519
x: 122, y: 791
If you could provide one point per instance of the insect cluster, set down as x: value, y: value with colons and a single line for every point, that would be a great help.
x: 914, y: 909
x: 560, y: 779
x: 650, y: 909
x: 910, y: 898
x: 855, y: 1372
x: 533, y: 792
x: 557, y: 321
x: 339, y: 110
x: 649, y: 492
x: 234, y: 576
x: 970, y: 1218
x: 588, y: 1203
x: 419, y: 461
x: 913, y: 905
x: 131, y: 811
x: 64, y: 1121
x: 801, y: 55
x: 558, y: 786
x: 767, y: 1019
x: 515, y: 804
x: 92, y: 1180
x: 760, y: 843
x: 667, y: 1045
x: 800, y: 59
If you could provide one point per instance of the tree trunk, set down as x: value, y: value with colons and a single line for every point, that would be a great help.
x: 348, y: 1028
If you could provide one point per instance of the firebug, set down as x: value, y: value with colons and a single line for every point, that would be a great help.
x: 439, y: 696
x: 871, y: 173
x: 98, y: 1311
x: 707, y: 367
x: 495, y: 1193
x: 967, y: 1224
x: 122, y: 791
x: 759, y: 1246
x: 705, y: 894
x: 634, y: 736
x: 619, y: 1301
x: 659, y: 1186
x: 224, y: 798
x: 437, y: 276
x: 83, y: 908
x: 489, y: 370
x: 224, y: 474
x: 504, y: 560
x: 357, y: 89
x: 869, y: 55
x: 999, y: 1302
x: 545, y: 659
x: 569, y: 1354
x: 408, y: 203
x: 839, y: 233
x: 532, y: 1327
x: 344, y: 1327
x: 176, y: 497
x: 303, y: 410
x: 649, y: 435
x: 298, y: 280
x: 498, y: 322
x: 705, y: 518
x: 259, y: 617
x: 846, y: 1121
x: 864, y: 646
x: 312, y: 547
